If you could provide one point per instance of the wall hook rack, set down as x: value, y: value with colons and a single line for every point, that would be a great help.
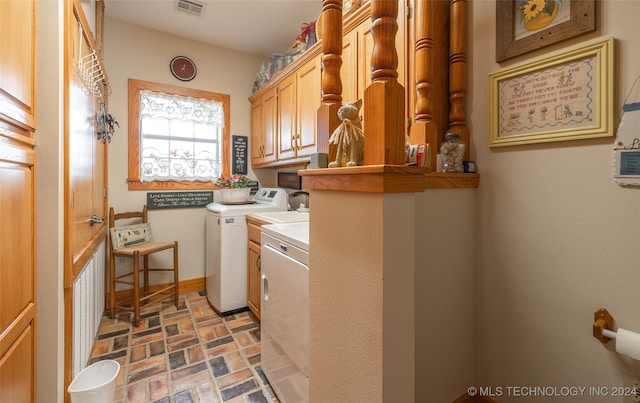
x: 602, y: 325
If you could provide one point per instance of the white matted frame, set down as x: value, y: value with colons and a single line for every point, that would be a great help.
x: 563, y: 96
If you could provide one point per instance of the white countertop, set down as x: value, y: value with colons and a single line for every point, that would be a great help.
x: 278, y: 217
x: 293, y: 233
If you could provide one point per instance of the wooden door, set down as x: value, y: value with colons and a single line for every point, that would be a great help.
x: 287, y: 118
x: 254, y: 281
x: 256, y: 132
x: 349, y: 70
x: 270, y: 125
x: 80, y: 155
x: 17, y: 201
x: 85, y: 156
x: 309, y: 100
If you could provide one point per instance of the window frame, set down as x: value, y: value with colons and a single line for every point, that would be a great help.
x: 133, y: 179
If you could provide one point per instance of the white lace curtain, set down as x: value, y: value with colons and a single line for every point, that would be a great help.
x: 180, y: 137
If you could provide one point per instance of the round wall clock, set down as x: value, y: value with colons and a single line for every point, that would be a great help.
x: 183, y: 68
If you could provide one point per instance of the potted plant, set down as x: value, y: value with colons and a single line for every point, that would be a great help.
x: 234, y: 188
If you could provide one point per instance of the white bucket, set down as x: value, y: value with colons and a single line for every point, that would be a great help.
x: 96, y: 383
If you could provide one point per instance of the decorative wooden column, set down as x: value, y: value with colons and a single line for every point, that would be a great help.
x: 458, y: 71
x: 363, y: 227
x: 331, y: 83
x: 424, y: 129
x: 384, y: 98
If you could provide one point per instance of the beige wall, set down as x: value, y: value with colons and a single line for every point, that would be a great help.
x: 556, y: 238
x: 134, y: 52
x: 444, y: 282
x: 362, y: 303
x: 49, y: 203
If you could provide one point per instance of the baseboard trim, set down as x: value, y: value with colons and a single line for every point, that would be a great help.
x: 467, y: 398
x: 191, y: 285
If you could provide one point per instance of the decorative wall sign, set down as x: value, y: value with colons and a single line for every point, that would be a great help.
x: 566, y: 96
x: 172, y: 200
x: 526, y: 25
x: 239, y: 155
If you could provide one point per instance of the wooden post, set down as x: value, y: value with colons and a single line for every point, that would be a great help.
x: 424, y: 129
x: 331, y: 83
x: 384, y: 135
x: 458, y: 72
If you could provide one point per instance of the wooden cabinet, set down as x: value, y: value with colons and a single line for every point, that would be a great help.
x: 17, y: 201
x: 283, y: 117
x: 254, y: 290
x: 297, y: 91
x: 264, y: 127
x: 298, y: 102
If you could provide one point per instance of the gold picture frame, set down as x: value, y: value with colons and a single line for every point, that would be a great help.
x: 576, y: 17
x: 564, y: 96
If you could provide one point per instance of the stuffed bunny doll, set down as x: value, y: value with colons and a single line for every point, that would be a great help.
x: 348, y: 136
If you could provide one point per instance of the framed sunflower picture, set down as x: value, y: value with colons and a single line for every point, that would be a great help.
x: 526, y: 25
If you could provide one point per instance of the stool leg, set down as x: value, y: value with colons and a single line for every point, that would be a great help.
x: 136, y: 289
x: 146, y: 276
x: 112, y: 286
x: 176, y: 276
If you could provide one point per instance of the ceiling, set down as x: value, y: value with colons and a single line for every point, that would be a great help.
x: 259, y: 27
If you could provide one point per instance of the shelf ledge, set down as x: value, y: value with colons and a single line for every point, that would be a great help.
x: 383, y: 179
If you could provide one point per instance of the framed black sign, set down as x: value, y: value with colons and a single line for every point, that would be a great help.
x: 169, y: 200
x: 239, y: 155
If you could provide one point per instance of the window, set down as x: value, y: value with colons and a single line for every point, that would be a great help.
x: 178, y: 137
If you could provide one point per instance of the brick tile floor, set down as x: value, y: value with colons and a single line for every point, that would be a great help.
x: 184, y: 354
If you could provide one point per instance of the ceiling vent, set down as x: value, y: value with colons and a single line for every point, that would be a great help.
x: 190, y: 7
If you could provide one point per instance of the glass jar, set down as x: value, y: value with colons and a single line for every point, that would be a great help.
x: 452, y: 153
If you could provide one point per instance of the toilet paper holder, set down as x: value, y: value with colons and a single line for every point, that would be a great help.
x: 602, y: 325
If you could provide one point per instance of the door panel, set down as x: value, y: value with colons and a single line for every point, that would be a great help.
x: 17, y: 379
x: 287, y: 117
x: 17, y: 61
x: 309, y: 100
x: 17, y: 240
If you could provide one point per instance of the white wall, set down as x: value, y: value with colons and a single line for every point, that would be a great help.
x: 556, y: 238
x: 134, y: 52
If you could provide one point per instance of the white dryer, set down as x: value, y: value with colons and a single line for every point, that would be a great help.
x: 226, y: 248
x: 285, y: 309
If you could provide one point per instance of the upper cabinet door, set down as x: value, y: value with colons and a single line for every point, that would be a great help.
x: 17, y: 62
x: 270, y: 125
x: 287, y: 118
x: 308, y: 101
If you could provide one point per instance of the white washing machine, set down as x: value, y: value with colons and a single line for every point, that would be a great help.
x: 226, y: 248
